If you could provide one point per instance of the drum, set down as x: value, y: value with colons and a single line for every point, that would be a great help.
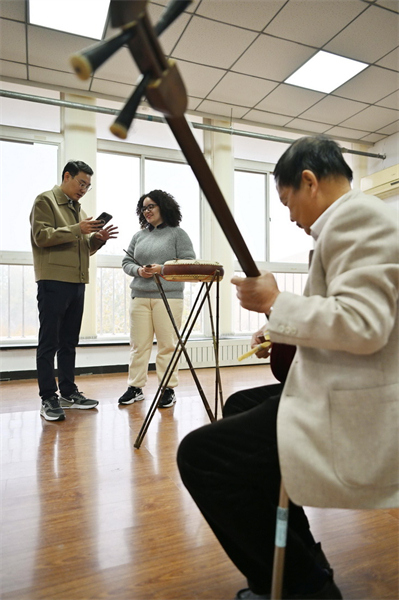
x: 192, y: 270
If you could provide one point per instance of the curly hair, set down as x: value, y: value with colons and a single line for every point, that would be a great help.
x: 168, y: 207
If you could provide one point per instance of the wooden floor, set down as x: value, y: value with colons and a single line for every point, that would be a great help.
x: 87, y: 516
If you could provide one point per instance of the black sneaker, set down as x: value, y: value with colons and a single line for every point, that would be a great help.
x: 329, y: 588
x: 51, y: 409
x: 321, y: 559
x: 329, y: 591
x: 168, y: 399
x: 77, y: 400
x: 132, y: 394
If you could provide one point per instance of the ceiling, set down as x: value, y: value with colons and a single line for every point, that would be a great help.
x: 234, y: 56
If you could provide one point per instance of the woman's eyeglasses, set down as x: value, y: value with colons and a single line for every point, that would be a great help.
x: 148, y: 207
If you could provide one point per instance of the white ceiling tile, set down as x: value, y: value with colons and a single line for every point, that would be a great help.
x: 192, y: 103
x: 371, y: 85
x: 289, y: 100
x: 391, y: 101
x: 391, y: 60
x: 391, y: 4
x: 13, y: 9
x: 52, y: 49
x: 199, y: 79
x: 57, y: 78
x: 333, y: 110
x: 309, y: 126
x: 259, y: 116
x: 171, y: 35
x: 190, y: 8
x: 253, y: 15
x: 111, y: 88
x: 219, y: 108
x: 271, y: 58
x: 390, y: 129
x: 373, y: 138
x: 372, y: 118
x: 343, y: 132
x: 293, y: 22
x: 241, y: 89
x: 12, y: 41
x: 12, y: 69
x: 212, y: 43
x: 121, y: 68
x: 372, y: 35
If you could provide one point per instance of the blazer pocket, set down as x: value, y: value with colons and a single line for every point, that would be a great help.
x: 365, y: 436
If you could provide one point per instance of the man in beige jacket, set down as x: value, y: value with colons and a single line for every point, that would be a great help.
x: 63, y: 238
x: 333, y: 427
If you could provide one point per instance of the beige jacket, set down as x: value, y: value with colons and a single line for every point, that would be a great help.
x: 338, y: 421
x: 60, y: 251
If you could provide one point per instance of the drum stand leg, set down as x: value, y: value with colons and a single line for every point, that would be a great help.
x: 215, y: 339
x: 280, y: 544
x: 180, y: 348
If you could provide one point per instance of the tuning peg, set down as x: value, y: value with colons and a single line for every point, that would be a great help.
x: 87, y: 61
x: 122, y: 123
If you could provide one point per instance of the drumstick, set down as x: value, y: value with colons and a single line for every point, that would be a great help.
x: 256, y: 349
x: 134, y: 260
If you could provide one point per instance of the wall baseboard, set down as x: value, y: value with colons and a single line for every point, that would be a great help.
x: 101, y: 370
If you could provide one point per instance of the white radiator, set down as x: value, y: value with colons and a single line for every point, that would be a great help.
x: 201, y: 353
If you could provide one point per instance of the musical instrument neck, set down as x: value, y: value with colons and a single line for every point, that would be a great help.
x: 207, y: 182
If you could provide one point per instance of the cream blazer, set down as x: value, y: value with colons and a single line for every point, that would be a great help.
x: 338, y: 420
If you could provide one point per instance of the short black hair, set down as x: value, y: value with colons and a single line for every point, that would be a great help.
x: 169, y: 208
x: 319, y: 154
x: 75, y: 166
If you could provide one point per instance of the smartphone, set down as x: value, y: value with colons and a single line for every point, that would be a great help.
x: 104, y: 217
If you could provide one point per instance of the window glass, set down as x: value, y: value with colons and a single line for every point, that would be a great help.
x: 288, y: 243
x: 178, y: 179
x: 118, y: 191
x: 250, y: 211
x: 27, y: 170
x: 18, y: 312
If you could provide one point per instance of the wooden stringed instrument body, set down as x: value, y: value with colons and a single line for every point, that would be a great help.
x: 281, y: 357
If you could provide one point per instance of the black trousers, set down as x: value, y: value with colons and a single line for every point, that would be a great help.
x: 60, y: 315
x: 231, y: 469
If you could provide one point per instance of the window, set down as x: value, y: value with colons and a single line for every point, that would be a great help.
x: 288, y: 243
x: 178, y: 179
x: 35, y: 165
x: 250, y: 211
x: 271, y: 237
x: 118, y: 190
x: 27, y: 170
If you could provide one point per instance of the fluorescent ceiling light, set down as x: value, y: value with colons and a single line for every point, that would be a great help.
x: 325, y: 72
x: 82, y: 17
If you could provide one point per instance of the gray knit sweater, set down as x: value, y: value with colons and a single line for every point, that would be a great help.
x: 157, y: 245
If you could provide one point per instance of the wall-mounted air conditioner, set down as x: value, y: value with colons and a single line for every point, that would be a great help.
x: 383, y: 183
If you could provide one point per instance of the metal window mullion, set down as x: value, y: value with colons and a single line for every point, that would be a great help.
x: 23, y: 302
x: 113, y: 301
x: 9, y: 300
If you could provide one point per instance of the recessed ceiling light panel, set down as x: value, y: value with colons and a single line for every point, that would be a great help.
x: 81, y: 17
x: 325, y: 72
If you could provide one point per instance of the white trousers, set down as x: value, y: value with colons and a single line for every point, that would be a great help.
x: 148, y: 317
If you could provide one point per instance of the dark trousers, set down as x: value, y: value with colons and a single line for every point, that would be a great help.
x: 231, y: 469
x: 60, y: 314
